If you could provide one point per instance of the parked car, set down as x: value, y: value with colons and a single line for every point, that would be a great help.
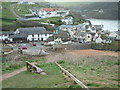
x: 34, y: 44
x: 22, y: 47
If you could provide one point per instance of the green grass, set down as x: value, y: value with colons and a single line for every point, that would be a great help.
x: 97, y: 72
x: 114, y: 46
x: 53, y: 79
x: 7, y: 15
x: 9, y: 64
x: 53, y: 20
x: 22, y: 9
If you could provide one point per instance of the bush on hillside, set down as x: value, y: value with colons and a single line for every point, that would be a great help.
x: 114, y: 46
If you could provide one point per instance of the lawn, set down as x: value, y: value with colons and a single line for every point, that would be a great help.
x: 53, y: 79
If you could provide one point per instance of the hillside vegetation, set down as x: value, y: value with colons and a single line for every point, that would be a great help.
x: 9, y: 20
x: 8, y: 17
x: 110, y: 9
x: 22, y: 9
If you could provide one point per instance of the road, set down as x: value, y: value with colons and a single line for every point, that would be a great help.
x: 19, y: 17
x: 12, y: 10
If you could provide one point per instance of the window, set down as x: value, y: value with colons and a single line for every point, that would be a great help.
x: 88, y: 36
x: 41, y: 39
x: 45, y: 34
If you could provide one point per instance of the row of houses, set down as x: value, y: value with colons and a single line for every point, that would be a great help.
x: 29, y: 3
x: 77, y: 33
x: 84, y: 34
x: 26, y: 35
x: 50, y: 12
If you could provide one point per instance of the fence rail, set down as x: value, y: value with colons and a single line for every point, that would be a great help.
x: 73, y: 77
x: 34, y: 68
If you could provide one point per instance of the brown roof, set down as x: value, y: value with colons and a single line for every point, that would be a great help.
x: 47, y: 9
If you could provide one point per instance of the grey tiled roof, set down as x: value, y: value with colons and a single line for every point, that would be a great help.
x: 78, y: 33
x: 98, y: 26
x: 7, y: 32
x: 118, y: 32
x: 32, y: 30
x: 18, y: 36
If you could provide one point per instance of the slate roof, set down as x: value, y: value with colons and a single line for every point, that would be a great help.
x: 32, y: 30
x: 77, y: 33
x: 18, y: 36
x: 79, y: 27
x: 7, y: 32
x: 118, y: 32
x: 93, y: 34
x: 98, y: 26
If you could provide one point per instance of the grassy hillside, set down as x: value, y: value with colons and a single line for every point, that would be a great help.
x: 9, y: 22
x: 7, y: 16
x: 94, y: 71
x: 22, y: 9
x: 53, y: 79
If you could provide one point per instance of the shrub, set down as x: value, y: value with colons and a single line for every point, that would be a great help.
x: 106, y: 46
x: 61, y: 62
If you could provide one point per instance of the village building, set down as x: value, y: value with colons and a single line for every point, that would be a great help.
x: 67, y: 20
x: 114, y: 35
x: 32, y: 34
x: 29, y: 3
x: 18, y: 38
x: 98, y: 40
x: 82, y: 37
x: 52, y: 12
x: 71, y: 29
x: 102, y: 38
x: 98, y: 28
x: 94, y: 36
x: 4, y: 36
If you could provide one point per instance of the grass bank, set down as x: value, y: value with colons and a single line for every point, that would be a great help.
x: 53, y: 79
x: 15, y: 61
x: 114, y: 46
x: 93, y: 71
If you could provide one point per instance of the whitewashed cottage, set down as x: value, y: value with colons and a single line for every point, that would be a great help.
x: 34, y: 33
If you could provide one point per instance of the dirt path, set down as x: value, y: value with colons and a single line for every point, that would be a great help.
x: 8, y: 75
x: 91, y: 52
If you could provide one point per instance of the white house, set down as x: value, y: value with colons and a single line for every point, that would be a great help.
x: 94, y: 36
x: 83, y: 37
x: 114, y: 35
x: 4, y: 36
x: 67, y: 20
x: 52, y: 12
x: 71, y: 29
x: 34, y: 33
x: 98, y: 40
x: 22, y: 2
